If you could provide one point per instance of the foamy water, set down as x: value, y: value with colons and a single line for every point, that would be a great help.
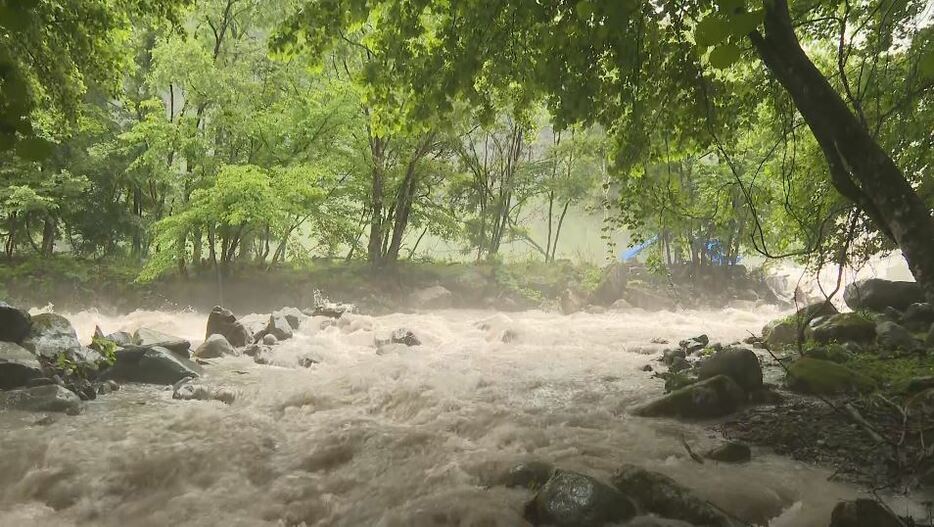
x: 409, y: 437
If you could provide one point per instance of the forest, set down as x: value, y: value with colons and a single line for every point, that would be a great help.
x: 229, y: 133
x: 397, y: 199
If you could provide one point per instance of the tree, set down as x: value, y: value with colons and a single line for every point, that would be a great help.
x: 616, y: 63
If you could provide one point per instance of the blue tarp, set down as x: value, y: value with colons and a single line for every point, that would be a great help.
x: 714, y: 250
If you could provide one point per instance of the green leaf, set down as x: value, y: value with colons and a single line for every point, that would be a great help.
x: 711, y: 31
x: 926, y: 65
x: 724, y: 55
x: 744, y: 23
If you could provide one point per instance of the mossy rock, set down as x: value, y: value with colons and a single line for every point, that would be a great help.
x: 844, y: 327
x: 821, y: 377
x: 831, y: 352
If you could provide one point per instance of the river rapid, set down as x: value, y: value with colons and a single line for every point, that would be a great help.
x: 409, y: 437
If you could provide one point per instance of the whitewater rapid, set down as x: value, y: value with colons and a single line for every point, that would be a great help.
x: 407, y: 437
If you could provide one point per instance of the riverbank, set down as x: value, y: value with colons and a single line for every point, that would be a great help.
x: 110, y: 286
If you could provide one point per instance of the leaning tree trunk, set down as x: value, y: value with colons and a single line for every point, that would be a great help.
x: 859, y: 168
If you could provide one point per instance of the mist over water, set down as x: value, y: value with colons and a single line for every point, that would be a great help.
x: 406, y: 436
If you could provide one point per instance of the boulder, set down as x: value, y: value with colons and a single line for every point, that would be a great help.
x: 569, y: 499
x: 530, y: 475
x: 670, y: 355
x: 891, y: 336
x: 331, y: 310
x: 150, y: 365
x: 434, y: 297
x: 270, y: 340
x: 740, y: 364
x: 844, y: 327
x: 122, y: 339
x: 571, y: 302
x: 277, y: 326
x: 291, y: 315
x: 149, y: 338
x: 679, y: 365
x: 611, y: 286
x: 660, y: 494
x: 17, y: 366
x: 713, y: 397
x: 14, y: 323
x: 700, y: 340
x: 46, y: 398
x: 918, y: 316
x: 309, y: 359
x: 215, y: 346
x: 253, y: 350
x: 404, y: 336
x: 821, y: 377
x: 186, y: 390
x: 876, y: 294
x: 783, y: 332
x: 52, y: 336
x: 223, y: 322
x: 731, y: 452
x: 863, y: 513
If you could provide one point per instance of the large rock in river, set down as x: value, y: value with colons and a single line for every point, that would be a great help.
x: 783, y: 332
x: 740, y: 364
x: 570, y: 499
x: 891, y: 336
x: 46, y: 398
x: 17, y: 366
x: 52, y: 336
x: 876, y: 294
x: 14, y: 323
x: 863, y: 513
x: 214, y: 347
x: 148, y: 338
x: 277, y: 326
x: 660, y: 494
x: 223, y: 322
x: 150, y: 365
x: 710, y: 398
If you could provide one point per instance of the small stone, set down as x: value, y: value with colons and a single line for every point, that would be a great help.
x: 404, y: 336
x: 270, y: 340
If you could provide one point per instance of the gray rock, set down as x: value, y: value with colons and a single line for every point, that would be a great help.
x: 253, y: 350
x: 48, y: 398
x: 155, y: 365
x: 642, y: 297
x: 14, y: 323
x: 148, y: 338
x: 190, y: 391
x: 876, y: 294
x: 669, y: 356
x: 661, y: 495
x: 435, y: 297
x: 891, y: 336
x: 731, y: 452
x: 679, y: 365
x: 122, y: 339
x: 223, y: 322
x: 740, y: 364
x: 844, y: 327
x: 700, y: 340
x: 783, y: 332
x: 292, y: 315
x: 215, y: 346
x: 331, y: 310
x: 17, y: 366
x: 270, y: 340
x: 570, y: 499
x: 308, y: 360
x: 278, y: 327
x: 53, y: 335
x: 531, y: 475
x: 714, y: 397
x: 404, y: 336
x: 862, y: 513
x: 918, y: 316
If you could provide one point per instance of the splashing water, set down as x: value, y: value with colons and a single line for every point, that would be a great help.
x: 409, y: 436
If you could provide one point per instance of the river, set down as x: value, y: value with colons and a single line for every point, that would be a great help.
x: 409, y: 437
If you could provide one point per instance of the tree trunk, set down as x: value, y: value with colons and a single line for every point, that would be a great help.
x: 859, y: 168
x: 375, y: 245
x: 48, y: 236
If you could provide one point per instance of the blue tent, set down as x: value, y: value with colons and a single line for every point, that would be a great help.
x: 714, y: 249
